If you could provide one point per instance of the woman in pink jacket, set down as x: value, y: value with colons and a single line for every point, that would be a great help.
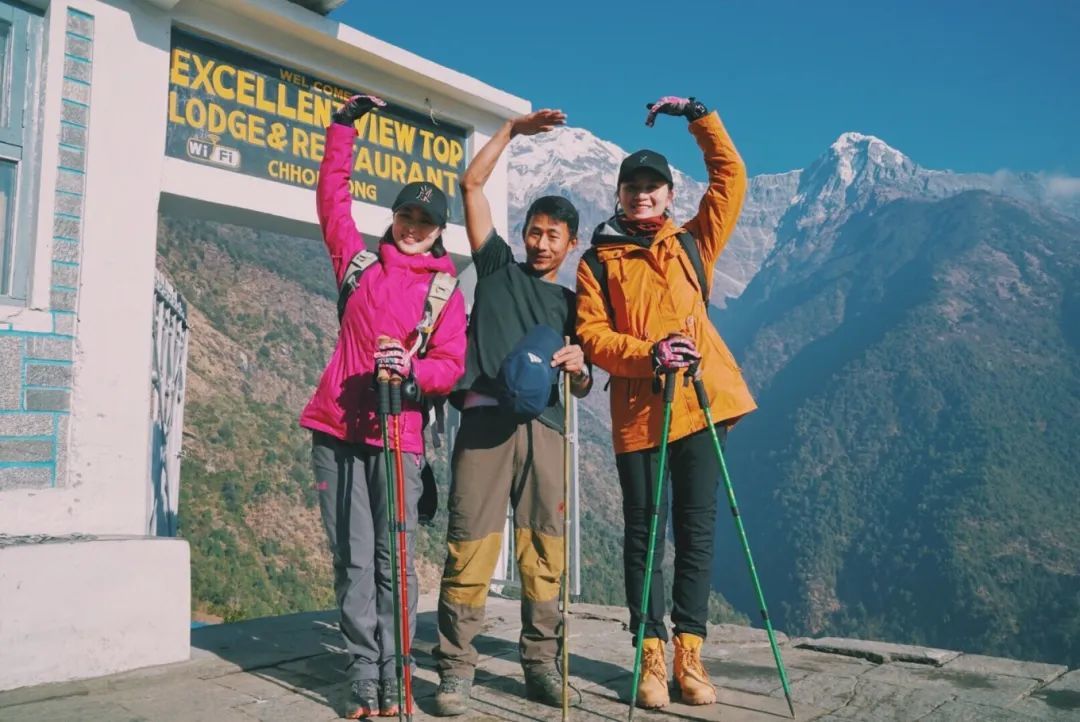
x: 342, y: 415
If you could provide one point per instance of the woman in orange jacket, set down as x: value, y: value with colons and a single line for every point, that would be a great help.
x: 642, y: 312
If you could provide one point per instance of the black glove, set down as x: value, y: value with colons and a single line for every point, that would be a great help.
x: 689, y: 108
x: 355, y: 107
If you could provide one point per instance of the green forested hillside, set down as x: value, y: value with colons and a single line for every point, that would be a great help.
x: 913, y: 469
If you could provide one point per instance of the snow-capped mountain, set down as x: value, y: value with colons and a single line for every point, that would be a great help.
x: 860, y: 173
x: 786, y: 218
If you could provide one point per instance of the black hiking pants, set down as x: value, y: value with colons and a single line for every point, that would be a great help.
x: 691, y: 486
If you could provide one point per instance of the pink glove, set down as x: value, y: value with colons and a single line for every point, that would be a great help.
x: 393, y: 357
x: 689, y: 108
x: 674, y: 352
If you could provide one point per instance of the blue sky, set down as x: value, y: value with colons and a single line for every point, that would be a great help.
x: 954, y: 84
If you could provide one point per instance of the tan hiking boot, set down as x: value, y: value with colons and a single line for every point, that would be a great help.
x: 693, y: 680
x: 652, y: 691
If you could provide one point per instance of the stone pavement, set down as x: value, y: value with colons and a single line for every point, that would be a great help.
x: 289, y: 668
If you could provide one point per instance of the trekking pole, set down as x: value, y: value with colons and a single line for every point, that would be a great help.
x: 669, y: 396
x: 566, y: 549
x: 384, y: 422
x: 403, y: 551
x: 703, y: 401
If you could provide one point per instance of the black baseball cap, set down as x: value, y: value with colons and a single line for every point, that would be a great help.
x: 425, y: 196
x: 647, y: 159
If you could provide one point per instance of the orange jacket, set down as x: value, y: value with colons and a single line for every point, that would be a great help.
x: 654, y: 292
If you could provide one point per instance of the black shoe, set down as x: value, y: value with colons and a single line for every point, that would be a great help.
x: 543, y: 684
x: 362, y: 699
x: 388, y: 698
x: 452, y: 697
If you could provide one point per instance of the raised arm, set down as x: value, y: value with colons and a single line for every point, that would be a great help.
x: 478, y: 223
x: 333, y: 199
x: 719, y: 207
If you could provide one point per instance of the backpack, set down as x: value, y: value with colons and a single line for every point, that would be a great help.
x: 689, y: 246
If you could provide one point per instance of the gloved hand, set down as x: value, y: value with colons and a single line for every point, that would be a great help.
x: 393, y: 357
x: 355, y: 107
x: 689, y: 108
x: 674, y: 352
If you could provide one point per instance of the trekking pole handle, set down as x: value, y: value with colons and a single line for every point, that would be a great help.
x: 395, y: 395
x: 669, y: 386
x: 383, y: 379
x: 699, y: 385
x: 394, y: 404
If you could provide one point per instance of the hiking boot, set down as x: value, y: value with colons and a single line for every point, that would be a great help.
x: 693, y: 680
x: 388, y: 698
x: 543, y: 684
x: 652, y: 691
x: 452, y: 697
x: 362, y: 699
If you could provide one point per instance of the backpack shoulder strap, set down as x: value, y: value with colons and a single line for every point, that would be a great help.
x: 351, y: 279
x: 438, y: 295
x: 690, y: 247
x: 599, y: 272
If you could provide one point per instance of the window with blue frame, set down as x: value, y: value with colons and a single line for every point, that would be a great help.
x: 20, y: 62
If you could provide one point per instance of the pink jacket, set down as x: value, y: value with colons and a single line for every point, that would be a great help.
x: 388, y: 302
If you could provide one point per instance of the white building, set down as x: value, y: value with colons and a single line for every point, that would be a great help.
x: 112, y: 111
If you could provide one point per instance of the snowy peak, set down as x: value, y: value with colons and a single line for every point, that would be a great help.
x: 852, y: 143
x: 856, y: 159
x: 567, y: 144
x: 855, y: 153
x: 857, y: 171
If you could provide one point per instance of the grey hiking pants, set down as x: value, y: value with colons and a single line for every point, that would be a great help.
x: 352, y: 495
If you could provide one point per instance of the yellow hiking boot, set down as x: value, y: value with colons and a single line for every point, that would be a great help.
x: 652, y: 691
x: 694, y: 682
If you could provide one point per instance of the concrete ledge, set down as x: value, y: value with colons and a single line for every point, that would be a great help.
x: 78, y: 607
x: 880, y: 652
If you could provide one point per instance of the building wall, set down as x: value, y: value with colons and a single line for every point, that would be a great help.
x: 37, y: 345
x: 97, y: 217
x: 75, y: 361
